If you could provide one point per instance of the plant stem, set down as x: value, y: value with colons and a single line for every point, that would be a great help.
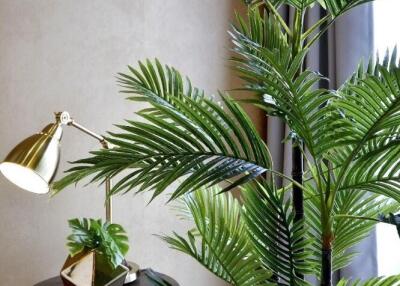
x: 298, y: 23
x: 297, y: 175
x: 327, y: 239
x: 326, y: 275
x: 357, y: 217
x: 272, y: 9
x: 315, y: 27
x: 297, y: 155
x: 320, y: 33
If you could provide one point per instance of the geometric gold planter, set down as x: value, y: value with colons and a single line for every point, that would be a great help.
x: 90, y: 269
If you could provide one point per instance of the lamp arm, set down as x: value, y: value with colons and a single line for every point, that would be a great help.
x: 65, y: 119
x: 100, y: 138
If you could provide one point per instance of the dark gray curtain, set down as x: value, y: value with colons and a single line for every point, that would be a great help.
x: 336, y: 56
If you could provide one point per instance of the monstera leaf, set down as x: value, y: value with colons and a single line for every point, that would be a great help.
x: 107, y: 239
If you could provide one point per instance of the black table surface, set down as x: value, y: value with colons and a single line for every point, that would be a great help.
x: 141, y: 281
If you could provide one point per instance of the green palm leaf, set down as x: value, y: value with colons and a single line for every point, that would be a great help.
x: 276, y: 3
x: 335, y: 7
x: 348, y: 230
x: 154, y: 81
x: 283, y: 245
x: 301, y: 4
x: 272, y: 73
x: 264, y: 30
x: 355, y: 214
x: 366, y: 141
x: 184, y: 136
x: 219, y: 241
x: 339, y: 7
x: 380, y: 281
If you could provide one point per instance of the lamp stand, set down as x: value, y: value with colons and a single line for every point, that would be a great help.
x: 65, y: 119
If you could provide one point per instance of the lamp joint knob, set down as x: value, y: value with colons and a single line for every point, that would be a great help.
x: 63, y: 117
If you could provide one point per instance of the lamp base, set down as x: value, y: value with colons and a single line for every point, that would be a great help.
x: 133, y: 272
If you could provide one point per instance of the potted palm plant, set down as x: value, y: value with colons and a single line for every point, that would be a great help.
x: 208, y: 146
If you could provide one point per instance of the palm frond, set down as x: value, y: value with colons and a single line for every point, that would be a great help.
x: 185, y: 136
x: 389, y: 62
x: 272, y: 73
x: 380, y: 281
x: 348, y: 230
x: 263, y: 30
x: 282, y: 243
x: 354, y: 216
x: 380, y: 173
x: 152, y: 81
x: 219, y: 241
x: 256, y: 3
x: 301, y: 4
x: 368, y: 139
x: 339, y: 7
x: 335, y: 8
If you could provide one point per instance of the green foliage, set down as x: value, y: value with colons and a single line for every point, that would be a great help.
x: 366, y: 141
x: 203, y: 146
x: 338, y: 7
x: 273, y: 74
x: 334, y: 7
x: 219, y: 240
x: 258, y: 31
x: 354, y: 213
x: 109, y: 240
x: 268, y: 213
x: 381, y: 281
x: 187, y: 136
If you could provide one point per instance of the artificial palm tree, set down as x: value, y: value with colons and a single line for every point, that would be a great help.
x: 207, y: 146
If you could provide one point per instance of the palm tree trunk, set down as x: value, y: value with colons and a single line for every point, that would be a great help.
x: 297, y: 194
x: 297, y: 175
x: 297, y: 155
x: 326, y: 273
x: 326, y: 258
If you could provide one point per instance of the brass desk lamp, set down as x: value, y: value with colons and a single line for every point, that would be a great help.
x: 33, y: 163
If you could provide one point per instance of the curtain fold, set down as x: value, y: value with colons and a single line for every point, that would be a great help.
x: 336, y: 56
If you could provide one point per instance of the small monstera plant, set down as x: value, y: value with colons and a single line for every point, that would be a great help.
x: 205, y: 147
x: 108, y: 240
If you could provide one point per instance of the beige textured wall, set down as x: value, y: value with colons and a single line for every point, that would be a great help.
x: 63, y: 55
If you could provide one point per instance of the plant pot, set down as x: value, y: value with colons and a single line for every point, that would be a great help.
x: 91, y: 269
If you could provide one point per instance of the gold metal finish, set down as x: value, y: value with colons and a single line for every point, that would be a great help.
x: 65, y: 119
x: 108, y: 203
x: 37, y: 158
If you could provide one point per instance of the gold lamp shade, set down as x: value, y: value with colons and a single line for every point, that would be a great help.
x: 32, y: 164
